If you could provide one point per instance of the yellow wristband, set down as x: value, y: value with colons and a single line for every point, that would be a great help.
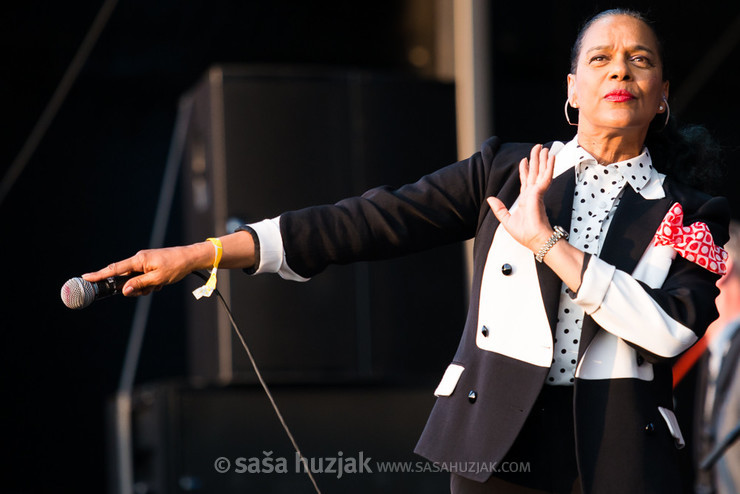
x: 207, y: 289
x: 219, y: 250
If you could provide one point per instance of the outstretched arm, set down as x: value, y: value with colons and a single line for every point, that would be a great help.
x: 160, y: 267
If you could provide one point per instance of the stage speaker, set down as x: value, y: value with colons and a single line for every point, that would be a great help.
x: 215, y: 439
x: 226, y: 439
x: 265, y: 140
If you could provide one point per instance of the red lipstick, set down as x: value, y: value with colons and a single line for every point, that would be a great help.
x: 619, y: 96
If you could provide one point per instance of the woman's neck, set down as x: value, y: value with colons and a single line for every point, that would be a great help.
x: 607, y: 149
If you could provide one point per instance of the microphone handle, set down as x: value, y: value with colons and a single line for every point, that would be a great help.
x: 111, y: 286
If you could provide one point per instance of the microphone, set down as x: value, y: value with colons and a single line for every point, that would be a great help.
x: 78, y: 293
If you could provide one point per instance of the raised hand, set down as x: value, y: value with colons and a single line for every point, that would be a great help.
x: 528, y: 223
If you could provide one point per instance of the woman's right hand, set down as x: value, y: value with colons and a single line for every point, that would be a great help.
x: 159, y: 267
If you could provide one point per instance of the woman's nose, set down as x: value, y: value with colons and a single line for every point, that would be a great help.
x: 620, y: 71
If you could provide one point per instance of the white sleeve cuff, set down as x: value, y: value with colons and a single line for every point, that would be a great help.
x: 272, y: 254
x: 596, y: 280
x: 270, y: 245
x: 619, y: 304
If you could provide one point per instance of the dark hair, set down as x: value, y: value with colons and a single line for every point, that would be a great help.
x: 576, y: 50
x: 687, y: 153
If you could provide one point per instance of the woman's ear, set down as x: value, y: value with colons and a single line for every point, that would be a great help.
x: 572, y: 98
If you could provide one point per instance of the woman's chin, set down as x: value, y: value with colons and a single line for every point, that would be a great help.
x: 626, y: 124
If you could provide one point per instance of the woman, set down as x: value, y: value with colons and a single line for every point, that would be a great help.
x: 578, y: 306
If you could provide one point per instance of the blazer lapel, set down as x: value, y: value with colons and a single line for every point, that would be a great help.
x: 559, y: 207
x: 633, y: 227
x: 630, y: 233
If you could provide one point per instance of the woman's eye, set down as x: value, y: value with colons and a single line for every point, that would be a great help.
x: 598, y: 58
x: 642, y: 61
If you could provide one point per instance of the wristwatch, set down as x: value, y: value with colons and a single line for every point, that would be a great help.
x: 557, y: 234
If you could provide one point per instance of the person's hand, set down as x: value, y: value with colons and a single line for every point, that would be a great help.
x: 159, y: 267
x: 528, y: 224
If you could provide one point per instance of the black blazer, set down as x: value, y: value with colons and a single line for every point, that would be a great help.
x: 626, y: 434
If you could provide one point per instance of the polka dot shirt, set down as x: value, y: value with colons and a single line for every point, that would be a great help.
x: 595, y: 200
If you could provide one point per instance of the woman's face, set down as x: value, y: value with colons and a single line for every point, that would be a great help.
x: 618, y: 84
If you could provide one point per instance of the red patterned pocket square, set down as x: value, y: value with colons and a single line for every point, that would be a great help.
x: 693, y: 242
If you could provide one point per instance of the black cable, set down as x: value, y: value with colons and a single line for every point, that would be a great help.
x: 262, y: 382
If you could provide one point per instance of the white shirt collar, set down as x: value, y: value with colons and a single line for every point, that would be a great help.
x: 638, y: 171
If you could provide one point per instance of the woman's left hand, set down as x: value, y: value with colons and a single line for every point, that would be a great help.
x: 528, y: 224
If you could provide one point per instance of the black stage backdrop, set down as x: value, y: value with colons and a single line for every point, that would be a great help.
x: 88, y: 195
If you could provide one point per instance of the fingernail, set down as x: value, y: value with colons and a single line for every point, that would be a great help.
x: 128, y: 290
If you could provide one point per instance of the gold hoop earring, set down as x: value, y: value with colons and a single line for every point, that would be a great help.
x: 567, y: 117
x: 667, y: 113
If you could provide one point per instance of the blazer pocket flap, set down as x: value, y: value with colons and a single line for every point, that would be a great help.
x: 675, y: 430
x: 449, y: 380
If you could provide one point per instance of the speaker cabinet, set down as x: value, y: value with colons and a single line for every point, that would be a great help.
x: 265, y: 140
x: 227, y: 439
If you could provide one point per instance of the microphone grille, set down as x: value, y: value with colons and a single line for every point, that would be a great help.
x: 78, y: 293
